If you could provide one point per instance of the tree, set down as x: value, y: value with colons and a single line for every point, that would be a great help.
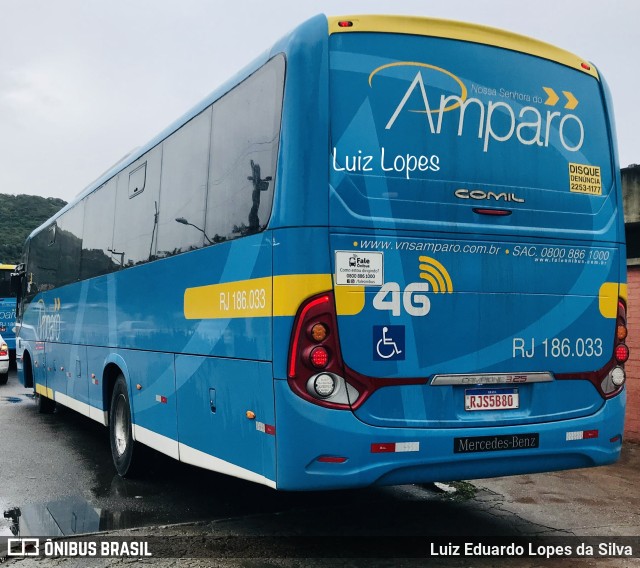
x: 19, y: 215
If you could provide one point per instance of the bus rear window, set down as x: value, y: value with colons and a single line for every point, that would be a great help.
x: 431, y: 116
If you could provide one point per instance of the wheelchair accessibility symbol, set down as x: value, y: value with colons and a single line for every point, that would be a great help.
x: 388, y: 342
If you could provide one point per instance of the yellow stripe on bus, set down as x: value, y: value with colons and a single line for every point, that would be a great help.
x: 608, y: 298
x: 290, y: 290
x: 262, y: 297
x: 241, y: 299
x: 44, y: 391
x: 461, y: 31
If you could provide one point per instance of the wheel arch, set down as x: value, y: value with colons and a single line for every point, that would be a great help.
x: 114, y: 366
x: 27, y: 369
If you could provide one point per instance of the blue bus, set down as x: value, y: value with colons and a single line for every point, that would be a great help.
x: 390, y: 250
x: 7, y: 307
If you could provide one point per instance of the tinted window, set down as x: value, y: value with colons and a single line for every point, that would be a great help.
x: 69, y: 241
x: 244, y: 149
x: 98, y: 232
x: 5, y: 284
x: 43, y: 263
x: 185, y: 163
x: 136, y: 221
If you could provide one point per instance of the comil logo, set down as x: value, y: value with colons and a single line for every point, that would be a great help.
x: 493, y: 121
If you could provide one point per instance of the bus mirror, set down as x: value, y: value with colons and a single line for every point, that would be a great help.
x: 16, y: 279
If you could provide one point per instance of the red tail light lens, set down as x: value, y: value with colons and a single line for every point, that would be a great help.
x: 622, y: 353
x: 319, y: 358
x: 4, y: 350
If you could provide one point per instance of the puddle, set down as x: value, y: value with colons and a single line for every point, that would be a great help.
x: 11, y: 399
x: 65, y: 517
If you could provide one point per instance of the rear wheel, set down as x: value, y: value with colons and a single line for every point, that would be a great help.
x: 4, y: 377
x: 125, y: 452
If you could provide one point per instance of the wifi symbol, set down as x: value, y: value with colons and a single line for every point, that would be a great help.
x: 433, y: 272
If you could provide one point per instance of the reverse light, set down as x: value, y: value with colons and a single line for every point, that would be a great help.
x: 324, y: 385
x: 618, y: 376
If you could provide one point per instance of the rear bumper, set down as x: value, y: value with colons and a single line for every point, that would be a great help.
x: 307, y: 432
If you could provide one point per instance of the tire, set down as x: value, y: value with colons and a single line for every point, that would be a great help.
x: 4, y: 377
x: 45, y: 405
x: 125, y: 452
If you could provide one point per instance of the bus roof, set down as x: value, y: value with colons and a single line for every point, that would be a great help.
x: 462, y: 31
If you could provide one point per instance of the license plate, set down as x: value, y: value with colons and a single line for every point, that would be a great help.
x: 491, y: 399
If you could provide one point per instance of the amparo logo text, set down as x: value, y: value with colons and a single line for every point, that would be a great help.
x: 494, y: 121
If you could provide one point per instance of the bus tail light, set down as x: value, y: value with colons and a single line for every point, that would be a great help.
x: 611, y: 378
x: 622, y: 353
x: 319, y: 357
x: 316, y: 370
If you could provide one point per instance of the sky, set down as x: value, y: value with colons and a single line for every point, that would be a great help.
x: 83, y: 82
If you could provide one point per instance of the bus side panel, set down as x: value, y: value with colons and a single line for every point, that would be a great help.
x: 96, y: 358
x: 152, y: 393
x: 76, y: 373
x: 39, y: 365
x: 56, y: 356
x: 226, y: 411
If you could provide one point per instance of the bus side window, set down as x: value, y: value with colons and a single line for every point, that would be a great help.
x: 97, y: 242
x: 136, y: 219
x: 183, y: 187
x: 244, y: 149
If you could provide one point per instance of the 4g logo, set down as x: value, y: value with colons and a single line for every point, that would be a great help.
x: 413, y: 298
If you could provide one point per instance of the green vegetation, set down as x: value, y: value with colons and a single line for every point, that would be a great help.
x: 19, y: 215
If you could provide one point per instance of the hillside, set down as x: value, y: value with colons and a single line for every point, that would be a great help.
x: 19, y: 215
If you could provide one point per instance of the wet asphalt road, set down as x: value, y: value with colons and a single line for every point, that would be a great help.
x: 57, y: 479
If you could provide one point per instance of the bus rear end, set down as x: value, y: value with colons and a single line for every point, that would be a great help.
x: 7, y: 307
x: 476, y: 322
